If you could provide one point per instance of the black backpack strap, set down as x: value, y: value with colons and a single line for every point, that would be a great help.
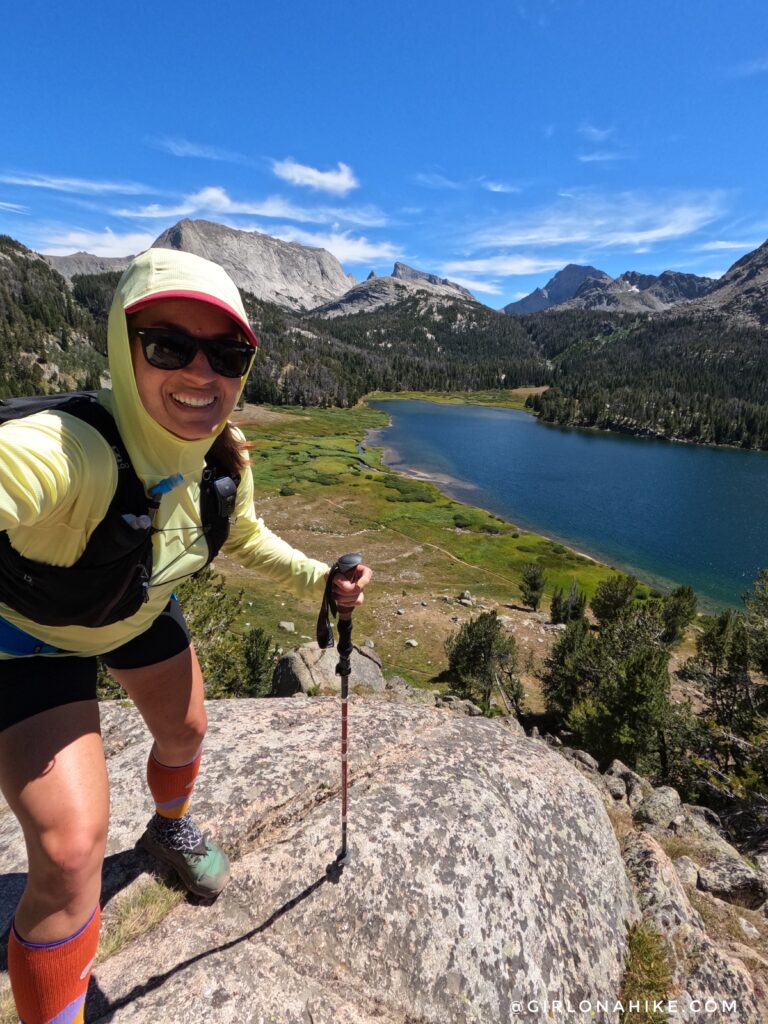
x: 218, y: 493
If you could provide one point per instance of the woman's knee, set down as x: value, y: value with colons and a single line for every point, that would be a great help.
x: 187, y: 731
x: 66, y: 860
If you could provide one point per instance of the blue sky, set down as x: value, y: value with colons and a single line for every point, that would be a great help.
x: 491, y: 142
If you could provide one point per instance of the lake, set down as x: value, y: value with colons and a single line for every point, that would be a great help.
x: 670, y: 513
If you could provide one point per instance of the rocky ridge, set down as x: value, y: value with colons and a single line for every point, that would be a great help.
x: 577, y: 287
x: 85, y: 263
x: 402, y: 272
x: 633, y: 292
x: 742, y: 292
x: 403, y: 283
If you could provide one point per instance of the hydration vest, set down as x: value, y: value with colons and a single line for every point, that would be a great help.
x: 111, y: 578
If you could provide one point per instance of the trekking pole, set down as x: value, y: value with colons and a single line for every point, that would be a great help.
x: 325, y: 640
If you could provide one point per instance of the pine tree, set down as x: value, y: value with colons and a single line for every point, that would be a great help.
x: 556, y: 608
x: 532, y: 585
x: 679, y: 611
x: 613, y: 597
x: 480, y: 655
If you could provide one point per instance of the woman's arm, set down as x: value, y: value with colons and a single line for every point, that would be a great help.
x: 257, y: 547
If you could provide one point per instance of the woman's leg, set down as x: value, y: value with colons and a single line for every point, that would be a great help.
x: 169, y: 696
x: 53, y: 775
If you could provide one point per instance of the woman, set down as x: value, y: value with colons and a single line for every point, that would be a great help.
x: 180, y: 347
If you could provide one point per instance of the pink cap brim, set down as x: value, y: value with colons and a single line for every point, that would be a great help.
x: 211, y: 300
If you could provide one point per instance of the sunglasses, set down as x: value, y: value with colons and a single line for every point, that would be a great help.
x: 168, y: 348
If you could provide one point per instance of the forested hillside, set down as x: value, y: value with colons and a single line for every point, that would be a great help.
x: 420, y: 344
x: 676, y: 375
x: 49, y: 341
x: 692, y: 379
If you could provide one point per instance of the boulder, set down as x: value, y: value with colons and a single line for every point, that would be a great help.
x: 660, y: 807
x: 585, y: 759
x: 484, y: 871
x: 308, y: 669
x: 464, y: 707
x: 687, y: 870
x: 616, y: 787
x: 731, y: 879
x: 636, y: 786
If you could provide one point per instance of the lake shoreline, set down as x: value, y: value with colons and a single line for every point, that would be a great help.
x: 461, y: 491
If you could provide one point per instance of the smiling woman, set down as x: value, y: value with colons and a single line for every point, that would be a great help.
x: 122, y: 515
x: 191, y: 399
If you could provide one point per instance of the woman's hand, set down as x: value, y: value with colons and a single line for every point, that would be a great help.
x: 348, y: 589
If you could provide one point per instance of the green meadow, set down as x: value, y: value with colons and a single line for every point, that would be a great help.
x: 318, y: 490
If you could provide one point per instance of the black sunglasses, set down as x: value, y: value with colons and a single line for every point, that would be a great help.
x: 169, y: 348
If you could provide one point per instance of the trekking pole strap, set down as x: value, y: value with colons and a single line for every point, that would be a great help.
x: 345, y: 647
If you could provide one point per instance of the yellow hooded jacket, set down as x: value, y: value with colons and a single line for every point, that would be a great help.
x: 58, y: 474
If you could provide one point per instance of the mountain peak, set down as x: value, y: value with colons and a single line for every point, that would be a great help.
x: 286, y: 273
x: 402, y: 272
x: 560, y: 288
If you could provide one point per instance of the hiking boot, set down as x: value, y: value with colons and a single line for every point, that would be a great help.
x: 202, y: 866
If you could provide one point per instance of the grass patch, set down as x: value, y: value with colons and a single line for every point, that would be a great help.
x: 8, y: 1013
x: 722, y: 920
x: 136, y: 914
x: 647, y: 975
x: 511, y: 398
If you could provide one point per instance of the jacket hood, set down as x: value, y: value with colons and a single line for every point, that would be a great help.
x: 159, y: 274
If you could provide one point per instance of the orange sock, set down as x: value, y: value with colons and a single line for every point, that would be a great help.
x: 50, y: 980
x: 171, y: 786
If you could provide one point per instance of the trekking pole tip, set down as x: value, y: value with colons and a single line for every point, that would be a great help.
x: 343, y: 859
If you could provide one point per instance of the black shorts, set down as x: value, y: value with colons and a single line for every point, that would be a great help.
x: 31, y: 685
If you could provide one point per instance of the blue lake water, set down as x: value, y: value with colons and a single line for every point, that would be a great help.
x: 671, y: 513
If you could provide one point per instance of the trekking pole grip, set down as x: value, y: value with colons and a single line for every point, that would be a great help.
x: 345, y: 565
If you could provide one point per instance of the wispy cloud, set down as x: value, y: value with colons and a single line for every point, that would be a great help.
x: 499, y: 186
x: 601, y: 156
x: 618, y: 220
x: 484, y: 287
x: 439, y: 181
x: 750, y: 67
x: 722, y: 246
x: 505, y: 265
x: 80, y: 186
x: 338, y: 182
x: 594, y: 134
x: 185, y: 148
x: 215, y: 200
x: 154, y: 211
x: 345, y: 247
x: 98, y: 243
x: 13, y: 208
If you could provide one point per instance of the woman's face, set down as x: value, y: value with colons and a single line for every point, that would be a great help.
x: 193, y: 401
